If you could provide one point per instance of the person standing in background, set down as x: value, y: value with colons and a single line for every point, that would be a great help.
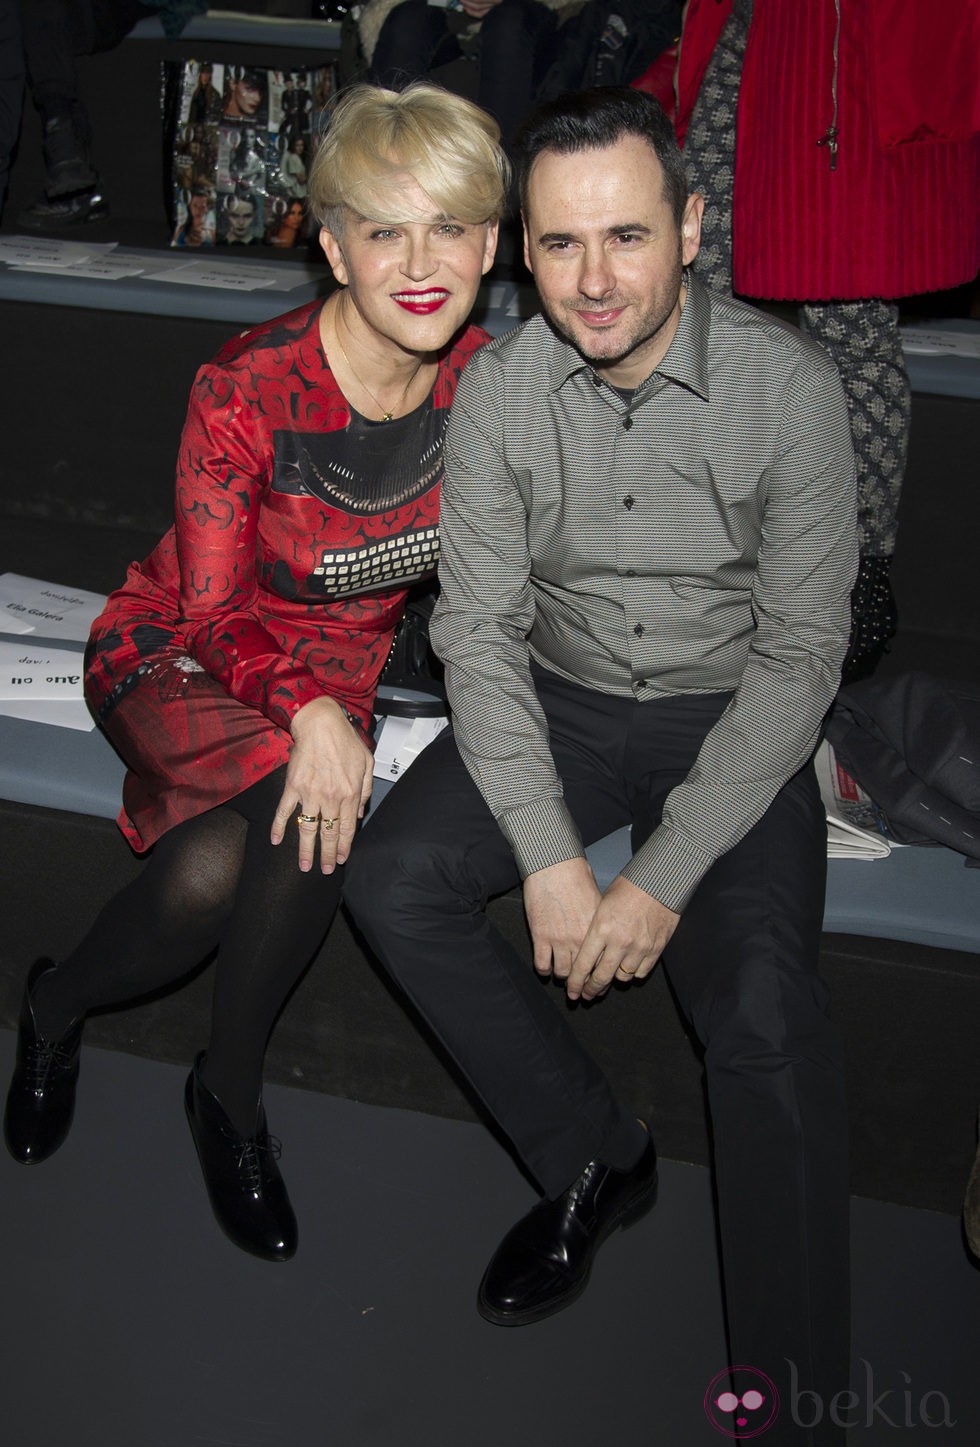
x: 56, y: 33
x: 513, y: 42
x: 828, y: 139
x: 11, y: 87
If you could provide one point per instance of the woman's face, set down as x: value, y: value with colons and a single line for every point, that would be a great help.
x: 294, y: 216
x: 414, y: 283
x: 245, y: 98
x: 241, y: 215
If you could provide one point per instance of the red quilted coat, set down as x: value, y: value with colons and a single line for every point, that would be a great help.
x: 899, y: 212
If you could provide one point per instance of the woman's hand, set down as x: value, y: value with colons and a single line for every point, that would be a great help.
x: 329, y: 777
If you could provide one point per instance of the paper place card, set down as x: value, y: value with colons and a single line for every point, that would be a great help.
x: 108, y: 268
x: 13, y: 623
x: 39, y: 673
x: 48, y: 252
x: 215, y: 273
x: 401, y: 742
x: 48, y: 609
x: 937, y: 342
x: 43, y: 685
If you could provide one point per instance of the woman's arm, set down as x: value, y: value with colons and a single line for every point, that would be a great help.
x: 224, y: 462
x: 222, y: 470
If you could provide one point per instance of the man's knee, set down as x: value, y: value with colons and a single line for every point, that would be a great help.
x: 761, y: 1014
x: 395, y: 880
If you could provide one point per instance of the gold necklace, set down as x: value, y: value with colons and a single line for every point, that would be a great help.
x: 385, y: 416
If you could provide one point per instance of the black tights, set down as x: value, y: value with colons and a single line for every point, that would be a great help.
x: 213, y: 882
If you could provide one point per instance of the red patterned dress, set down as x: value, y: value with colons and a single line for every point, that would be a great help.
x: 299, y: 527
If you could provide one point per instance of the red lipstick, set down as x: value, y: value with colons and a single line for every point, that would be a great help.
x: 421, y: 303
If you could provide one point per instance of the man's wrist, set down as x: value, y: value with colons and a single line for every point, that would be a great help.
x: 541, y: 833
x: 669, y: 867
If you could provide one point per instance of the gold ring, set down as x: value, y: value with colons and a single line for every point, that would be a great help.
x: 624, y: 971
x: 328, y: 823
x: 302, y: 818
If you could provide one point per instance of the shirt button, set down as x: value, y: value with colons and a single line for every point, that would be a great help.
x: 627, y: 423
x: 628, y: 502
x: 641, y: 683
x: 630, y: 573
x: 639, y: 630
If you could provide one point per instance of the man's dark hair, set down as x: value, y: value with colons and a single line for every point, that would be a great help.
x: 588, y: 120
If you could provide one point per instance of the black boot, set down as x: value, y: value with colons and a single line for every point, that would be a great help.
x: 41, y: 1099
x: 247, y: 1193
x: 72, y: 194
x: 874, y: 618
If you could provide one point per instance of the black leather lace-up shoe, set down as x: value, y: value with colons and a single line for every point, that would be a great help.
x: 41, y: 1099
x: 543, y: 1263
x: 247, y: 1193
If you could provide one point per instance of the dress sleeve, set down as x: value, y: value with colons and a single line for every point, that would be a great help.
x: 222, y: 473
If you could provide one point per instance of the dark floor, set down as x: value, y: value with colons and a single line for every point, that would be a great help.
x: 128, y: 1319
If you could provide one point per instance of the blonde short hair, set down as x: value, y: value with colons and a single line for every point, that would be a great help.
x: 449, y: 146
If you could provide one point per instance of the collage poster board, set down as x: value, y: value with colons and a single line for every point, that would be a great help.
x: 241, y: 140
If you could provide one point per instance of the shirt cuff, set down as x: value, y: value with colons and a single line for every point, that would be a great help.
x: 541, y: 833
x: 669, y: 867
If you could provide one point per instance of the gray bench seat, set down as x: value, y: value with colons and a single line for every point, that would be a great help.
x: 923, y: 895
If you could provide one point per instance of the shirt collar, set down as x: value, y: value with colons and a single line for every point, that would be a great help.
x: 686, y: 360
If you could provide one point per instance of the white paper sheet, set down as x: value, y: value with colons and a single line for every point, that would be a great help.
x: 70, y: 714
x: 97, y: 268
x: 219, y: 274
x: 31, y: 672
x: 49, y: 609
x: 13, y: 623
x: 47, y: 251
x: 42, y: 684
x: 400, y: 743
x: 937, y: 342
x: 282, y: 276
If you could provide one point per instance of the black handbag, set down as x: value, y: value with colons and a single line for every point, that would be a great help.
x: 412, y: 664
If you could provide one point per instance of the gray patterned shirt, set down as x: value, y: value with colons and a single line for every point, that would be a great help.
x: 697, y: 537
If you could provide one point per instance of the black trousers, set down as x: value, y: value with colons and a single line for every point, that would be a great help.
x: 56, y: 31
x: 516, y: 44
x: 743, y: 964
x: 11, y: 86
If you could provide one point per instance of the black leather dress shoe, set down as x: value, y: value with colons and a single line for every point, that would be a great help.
x: 41, y: 1099
x: 247, y: 1193
x: 543, y: 1263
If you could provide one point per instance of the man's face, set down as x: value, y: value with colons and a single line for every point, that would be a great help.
x: 240, y: 216
x: 607, y: 255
